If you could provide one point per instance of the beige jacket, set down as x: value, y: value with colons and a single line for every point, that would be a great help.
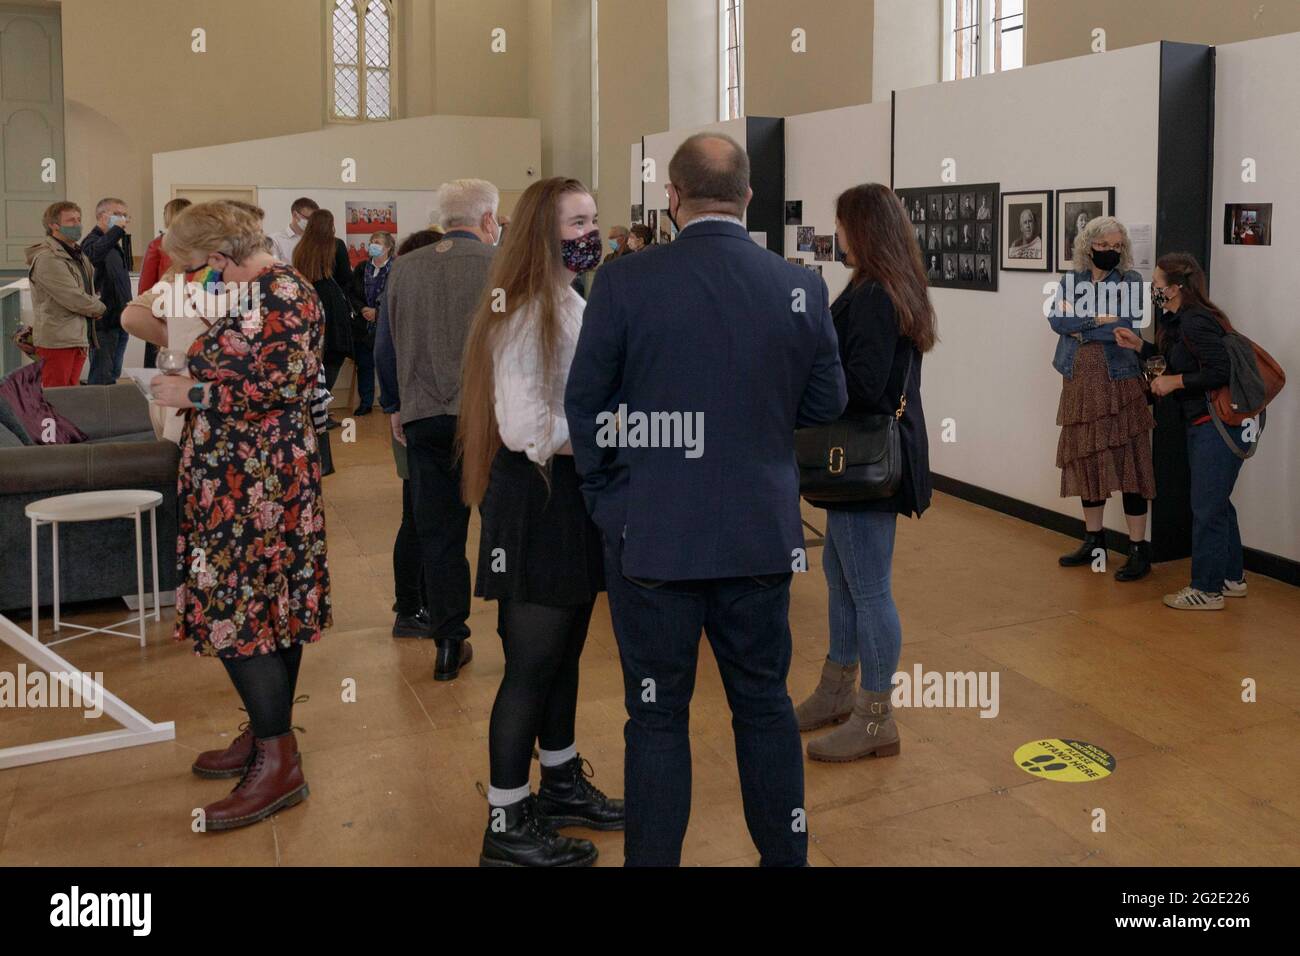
x: 64, y: 304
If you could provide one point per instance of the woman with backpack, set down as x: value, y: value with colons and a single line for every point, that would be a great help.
x: 1190, y: 334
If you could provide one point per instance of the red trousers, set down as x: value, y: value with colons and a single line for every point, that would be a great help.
x: 62, y: 366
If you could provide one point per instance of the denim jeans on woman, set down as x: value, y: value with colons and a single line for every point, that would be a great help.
x: 858, y: 558
x: 1216, y: 542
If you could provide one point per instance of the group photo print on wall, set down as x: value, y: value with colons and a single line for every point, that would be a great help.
x: 804, y: 238
x: 1027, y: 231
x: 1248, y: 224
x: 956, y: 228
x: 1074, y: 208
x: 364, y: 219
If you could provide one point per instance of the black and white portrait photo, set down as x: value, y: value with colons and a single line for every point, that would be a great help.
x: 1074, y: 209
x: 967, y: 206
x: 794, y: 212
x: 936, y: 239
x: 950, y: 234
x: 1027, y: 231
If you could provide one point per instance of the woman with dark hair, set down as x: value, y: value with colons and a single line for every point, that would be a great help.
x: 885, y: 324
x: 322, y: 258
x: 540, y: 555
x: 1106, y: 423
x: 1189, y: 333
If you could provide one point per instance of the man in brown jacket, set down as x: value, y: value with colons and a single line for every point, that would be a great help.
x: 64, y: 304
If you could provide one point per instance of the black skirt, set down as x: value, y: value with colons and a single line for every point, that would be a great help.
x: 537, y: 543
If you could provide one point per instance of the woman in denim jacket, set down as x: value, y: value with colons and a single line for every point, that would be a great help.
x: 1106, y: 422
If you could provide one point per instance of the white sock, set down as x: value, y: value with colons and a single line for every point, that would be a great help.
x: 506, y: 798
x: 553, y: 758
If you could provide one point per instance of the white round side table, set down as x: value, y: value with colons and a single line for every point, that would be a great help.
x: 96, y: 506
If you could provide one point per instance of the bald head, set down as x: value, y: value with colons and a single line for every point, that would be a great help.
x: 710, y: 173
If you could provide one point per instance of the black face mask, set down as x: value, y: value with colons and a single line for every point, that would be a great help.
x: 1106, y: 259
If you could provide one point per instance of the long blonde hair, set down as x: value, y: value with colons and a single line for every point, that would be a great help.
x: 528, y: 271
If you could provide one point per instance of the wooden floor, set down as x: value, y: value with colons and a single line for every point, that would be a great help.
x: 1201, y: 777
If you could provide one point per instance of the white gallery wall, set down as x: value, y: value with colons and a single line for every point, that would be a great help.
x: 412, y: 154
x: 1255, y: 118
x: 826, y: 153
x: 992, y: 372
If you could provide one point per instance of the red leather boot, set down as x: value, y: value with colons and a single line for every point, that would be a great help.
x: 272, y: 782
x: 231, y: 762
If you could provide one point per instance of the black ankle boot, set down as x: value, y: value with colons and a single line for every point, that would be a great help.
x: 453, y: 654
x: 1139, y: 562
x: 568, y: 799
x: 517, y: 836
x: 1083, y: 554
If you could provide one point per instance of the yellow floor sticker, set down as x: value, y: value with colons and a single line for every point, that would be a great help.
x: 1069, y: 761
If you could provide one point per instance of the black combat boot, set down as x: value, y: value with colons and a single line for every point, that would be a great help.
x: 1083, y: 555
x: 568, y: 799
x: 1138, y: 564
x: 517, y: 836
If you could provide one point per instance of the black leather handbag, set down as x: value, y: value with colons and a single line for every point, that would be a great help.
x: 853, y: 460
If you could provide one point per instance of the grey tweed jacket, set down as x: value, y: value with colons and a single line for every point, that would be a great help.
x: 432, y: 294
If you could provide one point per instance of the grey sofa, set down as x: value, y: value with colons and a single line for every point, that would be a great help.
x: 97, y: 558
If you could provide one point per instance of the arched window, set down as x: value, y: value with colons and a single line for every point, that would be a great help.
x: 361, y: 41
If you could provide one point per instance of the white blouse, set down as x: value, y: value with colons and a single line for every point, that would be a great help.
x: 530, y: 411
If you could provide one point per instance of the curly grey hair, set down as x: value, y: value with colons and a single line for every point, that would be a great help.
x: 1094, y: 230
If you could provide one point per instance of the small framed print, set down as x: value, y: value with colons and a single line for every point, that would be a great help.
x: 1074, y: 208
x: 1027, y: 231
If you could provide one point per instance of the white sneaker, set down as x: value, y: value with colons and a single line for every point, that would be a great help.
x: 1190, y: 599
x: 1234, y: 588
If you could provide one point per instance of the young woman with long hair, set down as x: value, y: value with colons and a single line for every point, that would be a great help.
x: 1189, y: 334
x: 540, y: 555
x: 885, y: 323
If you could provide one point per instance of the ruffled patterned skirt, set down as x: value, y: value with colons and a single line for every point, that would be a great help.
x: 1105, y: 443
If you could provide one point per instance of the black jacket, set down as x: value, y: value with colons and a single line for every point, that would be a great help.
x: 1192, y: 344
x: 875, y: 359
x: 110, y: 253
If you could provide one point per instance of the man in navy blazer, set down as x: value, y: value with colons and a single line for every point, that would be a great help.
x: 696, y: 363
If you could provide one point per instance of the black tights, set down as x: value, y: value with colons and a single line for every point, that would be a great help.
x: 1135, y: 506
x: 266, y: 684
x: 538, y: 697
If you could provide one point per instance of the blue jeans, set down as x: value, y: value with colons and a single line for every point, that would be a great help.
x: 864, y: 623
x: 106, y: 358
x: 1216, y: 542
x: 657, y: 625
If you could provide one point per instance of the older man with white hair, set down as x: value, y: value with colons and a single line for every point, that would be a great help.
x: 431, y: 297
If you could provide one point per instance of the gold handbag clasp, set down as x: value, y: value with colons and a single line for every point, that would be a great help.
x: 835, y: 464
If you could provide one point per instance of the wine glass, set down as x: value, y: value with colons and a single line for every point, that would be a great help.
x: 1155, y: 367
x: 172, y: 361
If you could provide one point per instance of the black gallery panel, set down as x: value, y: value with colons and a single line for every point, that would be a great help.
x: 957, y: 228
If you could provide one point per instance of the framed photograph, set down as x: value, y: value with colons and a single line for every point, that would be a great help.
x: 1074, y: 208
x: 804, y: 238
x: 1248, y: 224
x: 652, y: 222
x: 637, y: 212
x: 823, y: 248
x: 958, y: 231
x: 794, y: 212
x: 1026, y: 231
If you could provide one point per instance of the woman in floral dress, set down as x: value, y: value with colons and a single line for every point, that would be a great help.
x: 254, y: 581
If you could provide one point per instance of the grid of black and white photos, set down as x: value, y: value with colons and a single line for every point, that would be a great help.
x: 957, y: 229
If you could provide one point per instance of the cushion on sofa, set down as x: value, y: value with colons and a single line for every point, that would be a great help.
x: 13, y: 424
x: 22, y: 390
x: 9, y: 440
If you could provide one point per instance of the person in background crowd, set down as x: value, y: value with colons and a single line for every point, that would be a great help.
x: 322, y: 258
x: 1106, y: 423
x: 639, y: 236
x: 885, y: 324
x: 250, y: 503
x: 517, y: 466
x: 617, y: 242
x: 155, y: 265
x: 701, y: 539
x: 368, y: 281
x: 432, y: 295
x: 64, y: 304
x: 108, y: 247
x: 411, y: 602
x: 1189, y: 332
x: 285, y: 242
